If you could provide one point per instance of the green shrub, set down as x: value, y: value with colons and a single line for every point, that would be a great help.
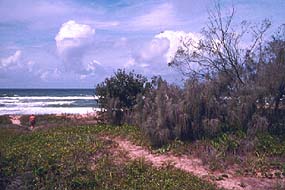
x: 76, y: 158
x: 117, y: 94
x: 270, y: 145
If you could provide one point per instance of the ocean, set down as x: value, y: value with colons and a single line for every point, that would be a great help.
x: 47, y: 101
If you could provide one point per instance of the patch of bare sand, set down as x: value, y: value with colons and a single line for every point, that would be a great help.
x: 196, y: 167
x: 90, y: 115
x: 15, y: 119
x: 88, y: 118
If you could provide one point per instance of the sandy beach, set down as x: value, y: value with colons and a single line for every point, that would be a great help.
x: 48, y: 120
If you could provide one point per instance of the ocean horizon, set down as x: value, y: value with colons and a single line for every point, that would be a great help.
x: 21, y: 101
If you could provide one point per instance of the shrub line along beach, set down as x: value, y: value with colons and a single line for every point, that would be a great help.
x: 66, y: 154
x: 221, y: 127
x: 72, y: 152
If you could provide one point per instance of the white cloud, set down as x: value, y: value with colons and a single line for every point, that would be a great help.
x: 72, y: 41
x: 164, y: 46
x: 82, y: 77
x: 11, y: 60
x: 46, y: 75
x: 121, y: 43
x: 92, y: 69
x: 101, y: 24
x: 92, y: 66
x: 156, y: 48
x: 30, y: 65
x: 144, y: 65
x: 73, y: 35
x: 160, y: 16
x: 152, y: 58
x: 176, y: 39
x: 130, y: 62
x: 45, y: 14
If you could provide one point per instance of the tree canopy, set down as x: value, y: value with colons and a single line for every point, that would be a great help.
x: 119, y: 92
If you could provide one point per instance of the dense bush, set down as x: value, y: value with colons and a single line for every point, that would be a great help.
x: 160, y: 112
x: 230, y: 87
x: 169, y: 112
x: 117, y: 94
x: 199, y: 109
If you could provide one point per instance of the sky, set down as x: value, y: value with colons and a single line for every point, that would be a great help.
x: 78, y: 43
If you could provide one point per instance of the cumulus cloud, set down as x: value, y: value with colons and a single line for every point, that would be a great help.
x: 72, y: 41
x: 153, y: 57
x: 91, y: 68
x: 93, y: 65
x: 73, y: 35
x: 11, y: 60
x: 164, y: 46
x: 46, y: 75
x: 130, y: 62
x: 176, y: 39
x: 156, y: 48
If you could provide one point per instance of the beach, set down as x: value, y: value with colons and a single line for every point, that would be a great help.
x: 47, y: 101
x: 48, y: 120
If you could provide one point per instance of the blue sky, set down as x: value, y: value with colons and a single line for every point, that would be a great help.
x: 76, y: 44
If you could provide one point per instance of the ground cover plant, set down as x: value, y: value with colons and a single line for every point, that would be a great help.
x: 264, y: 156
x: 46, y: 119
x: 80, y: 158
x: 5, y: 119
x: 231, y: 107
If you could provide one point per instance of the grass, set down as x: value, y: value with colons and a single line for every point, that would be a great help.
x: 75, y: 157
x: 265, y: 154
x: 46, y: 119
x: 4, y: 119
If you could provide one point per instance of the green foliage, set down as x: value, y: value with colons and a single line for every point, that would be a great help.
x: 77, y: 158
x: 53, y: 158
x: 4, y: 119
x: 139, y: 175
x: 227, y: 143
x: 122, y: 86
x: 118, y: 94
x: 168, y: 112
x: 160, y: 114
x: 270, y: 145
x: 144, y: 177
x: 229, y: 88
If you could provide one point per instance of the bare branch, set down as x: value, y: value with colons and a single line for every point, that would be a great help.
x: 220, y: 49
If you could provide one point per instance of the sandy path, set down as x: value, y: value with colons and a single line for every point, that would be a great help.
x: 195, y: 166
x: 15, y: 119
